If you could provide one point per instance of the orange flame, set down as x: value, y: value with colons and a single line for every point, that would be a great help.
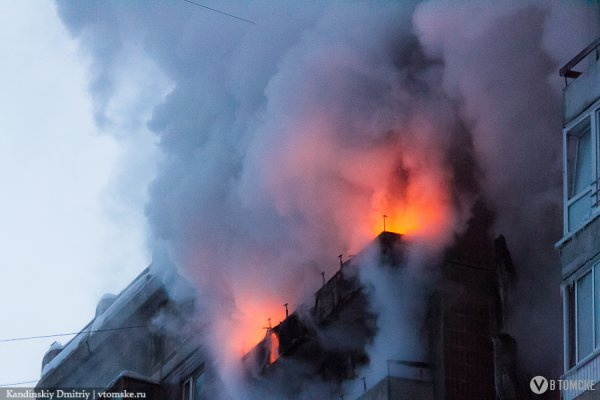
x: 252, y: 323
x: 420, y: 208
x: 273, y: 347
x: 421, y: 211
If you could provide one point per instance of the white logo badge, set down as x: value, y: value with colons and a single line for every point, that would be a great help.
x: 538, y: 384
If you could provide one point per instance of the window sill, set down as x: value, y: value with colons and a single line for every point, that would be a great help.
x: 570, y: 235
x: 581, y: 364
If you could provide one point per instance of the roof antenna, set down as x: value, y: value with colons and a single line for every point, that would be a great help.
x: 341, y: 262
x: 286, y: 310
x: 384, y: 217
x: 323, y: 277
x: 268, y: 328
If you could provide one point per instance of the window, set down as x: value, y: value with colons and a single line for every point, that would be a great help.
x: 192, y: 387
x: 579, y: 157
x: 187, y: 389
x: 581, y: 172
x: 585, y: 316
x: 570, y: 342
x: 582, y: 305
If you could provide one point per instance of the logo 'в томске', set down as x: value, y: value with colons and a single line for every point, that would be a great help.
x: 540, y: 385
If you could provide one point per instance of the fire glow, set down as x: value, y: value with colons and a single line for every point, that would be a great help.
x: 415, y: 204
x: 273, y: 342
x: 254, y: 324
x: 422, y: 211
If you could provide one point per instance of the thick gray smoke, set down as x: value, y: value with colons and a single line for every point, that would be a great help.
x: 502, y: 67
x: 282, y: 142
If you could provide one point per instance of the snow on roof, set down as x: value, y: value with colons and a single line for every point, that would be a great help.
x: 137, y: 286
x: 56, y: 346
x: 67, y: 350
x: 132, y: 375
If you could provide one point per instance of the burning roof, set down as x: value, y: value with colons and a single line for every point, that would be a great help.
x: 328, y: 338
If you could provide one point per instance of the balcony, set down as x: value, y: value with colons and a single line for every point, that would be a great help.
x: 587, y: 370
x: 582, y: 77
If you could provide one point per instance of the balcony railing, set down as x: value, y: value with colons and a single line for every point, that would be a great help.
x: 567, y: 71
x: 588, y: 370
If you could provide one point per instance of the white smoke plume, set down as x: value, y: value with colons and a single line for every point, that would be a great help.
x: 283, y: 142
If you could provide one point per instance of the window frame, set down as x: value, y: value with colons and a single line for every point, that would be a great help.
x: 571, y: 324
x: 190, y: 381
x: 593, y: 113
x: 592, y: 275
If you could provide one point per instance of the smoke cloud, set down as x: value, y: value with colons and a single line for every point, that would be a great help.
x: 283, y: 143
x: 502, y: 68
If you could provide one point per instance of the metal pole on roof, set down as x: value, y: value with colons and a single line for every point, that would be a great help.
x: 269, y: 328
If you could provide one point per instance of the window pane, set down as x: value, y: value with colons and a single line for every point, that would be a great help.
x: 571, y: 321
x: 579, y: 211
x: 187, y: 389
x: 597, y: 303
x: 579, y: 157
x: 198, y: 382
x: 585, y: 311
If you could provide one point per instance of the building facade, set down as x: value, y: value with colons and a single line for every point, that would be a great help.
x: 580, y: 246
x: 139, y: 341
x: 143, y: 340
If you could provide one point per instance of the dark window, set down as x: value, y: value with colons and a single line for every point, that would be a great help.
x: 585, y: 316
x: 187, y: 390
x: 193, y: 386
x: 572, y: 359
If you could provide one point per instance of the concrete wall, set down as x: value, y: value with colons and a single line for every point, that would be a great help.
x: 581, y: 93
x: 581, y: 248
